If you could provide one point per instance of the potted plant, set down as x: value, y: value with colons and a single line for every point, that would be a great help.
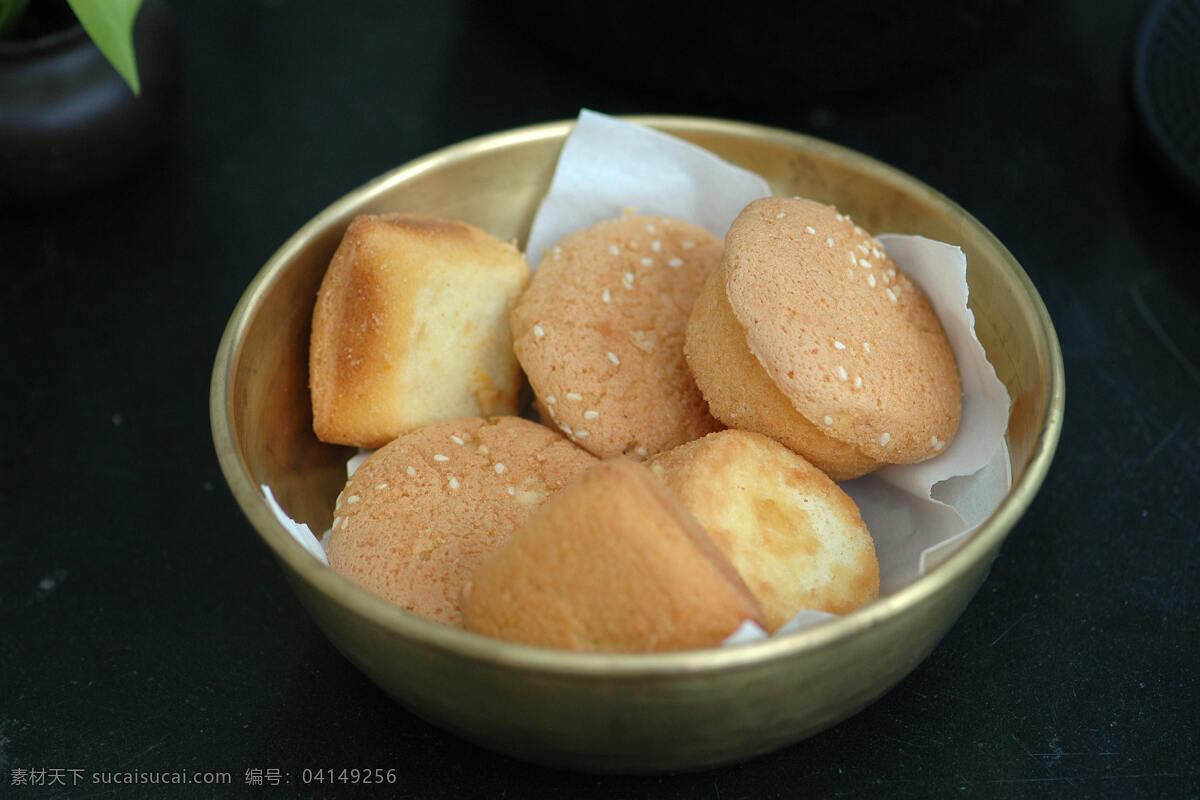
x: 88, y: 91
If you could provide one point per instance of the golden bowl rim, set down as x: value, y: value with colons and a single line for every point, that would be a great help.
x: 985, y: 541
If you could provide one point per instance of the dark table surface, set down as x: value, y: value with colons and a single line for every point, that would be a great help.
x: 147, y: 628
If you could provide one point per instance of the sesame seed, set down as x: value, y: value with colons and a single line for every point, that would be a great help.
x: 539, y: 331
x: 675, y: 263
x: 842, y: 374
x: 838, y: 345
x: 453, y: 482
x: 499, y: 467
x: 828, y: 420
x: 891, y: 273
x: 656, y: 245
x: 612, y: 248
x: 862, y: 262
x: 850, y: 272
x: 891, y: 295
x: 647, y: 262
x: 511, y: 489
x: 809, y: 229
x: 863, y: 247
x: 866, y: 347
x: 581, y: 434
x: 641, y: 451
x: 457, y: 439
x: 871, y: 281
x: 557, y: 253
x: 839, y: 217
x: 884, y: 439
x: 606, y: 296
x: 551, y: 399
x: 613, y: 358
x: 650, y: 228
x: 687, y: 244
x: 591, y: 414
x: 627, y: 280
x: 410, y: 471
x: 381, y: 486
x: 565, y: 428
x: 482, y: 450
x: 780, y: 215
x: 352, y: 499
x: 853, y: 259
x: 337, y: 503
x: 345, y: 523
x: 574, y: 396
x: 858, y: 381
x: 886, y: 279
x: 440, y: 457
x: 829, y: 242
x: 875, y: 251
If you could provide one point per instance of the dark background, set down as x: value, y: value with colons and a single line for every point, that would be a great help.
x: 144, y: 625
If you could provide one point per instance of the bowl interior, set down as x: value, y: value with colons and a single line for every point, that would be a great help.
x: 262, y: 421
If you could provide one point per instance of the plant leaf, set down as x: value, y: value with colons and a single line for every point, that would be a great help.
x: 110, y: 24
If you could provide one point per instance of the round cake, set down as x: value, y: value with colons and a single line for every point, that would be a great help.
x: 599, y: 333
x: 847, y: 339
x: 422, y: 512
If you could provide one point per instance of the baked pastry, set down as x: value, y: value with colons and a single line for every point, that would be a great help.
x: 810, y: 334
x: 419, y: 514
x: 797, y: 540
x: 612, y: 563
x: 599, y: 333
x: 411, y: 326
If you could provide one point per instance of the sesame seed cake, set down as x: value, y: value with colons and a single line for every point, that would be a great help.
x: 599, y: 332
x: 848, y: 339
x: 420, y: 513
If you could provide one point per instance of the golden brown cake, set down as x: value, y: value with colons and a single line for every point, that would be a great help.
x: 411, y: 326
x: 423, y: 511
x: 612, y: 563
x: 797, y: 540
x: 599, y: 333
x: 849, y: 343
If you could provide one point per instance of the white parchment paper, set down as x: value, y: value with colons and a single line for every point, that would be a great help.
x: 916, y: 514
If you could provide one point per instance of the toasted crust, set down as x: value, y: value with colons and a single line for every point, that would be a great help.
x: 411, y: 326
x: 741, y: 394
x: 422, y: 512
x: 588, y: 573
x: 796, y: 539
x: 600, y: 333
x: 843, y: 333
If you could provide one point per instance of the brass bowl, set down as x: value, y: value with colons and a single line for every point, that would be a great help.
x: 616, y: 713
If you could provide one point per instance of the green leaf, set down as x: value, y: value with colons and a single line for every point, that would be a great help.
x: 110, y: 24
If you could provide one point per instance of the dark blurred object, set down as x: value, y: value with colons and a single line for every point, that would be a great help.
x: 1166, y: 87
x: 68, y: 122
x: 758, y: 51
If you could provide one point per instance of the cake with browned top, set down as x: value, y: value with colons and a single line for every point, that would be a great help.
x: 411, y: 326
x: 794, y: 536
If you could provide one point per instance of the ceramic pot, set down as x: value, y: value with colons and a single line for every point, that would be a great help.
x: 69, y: 124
